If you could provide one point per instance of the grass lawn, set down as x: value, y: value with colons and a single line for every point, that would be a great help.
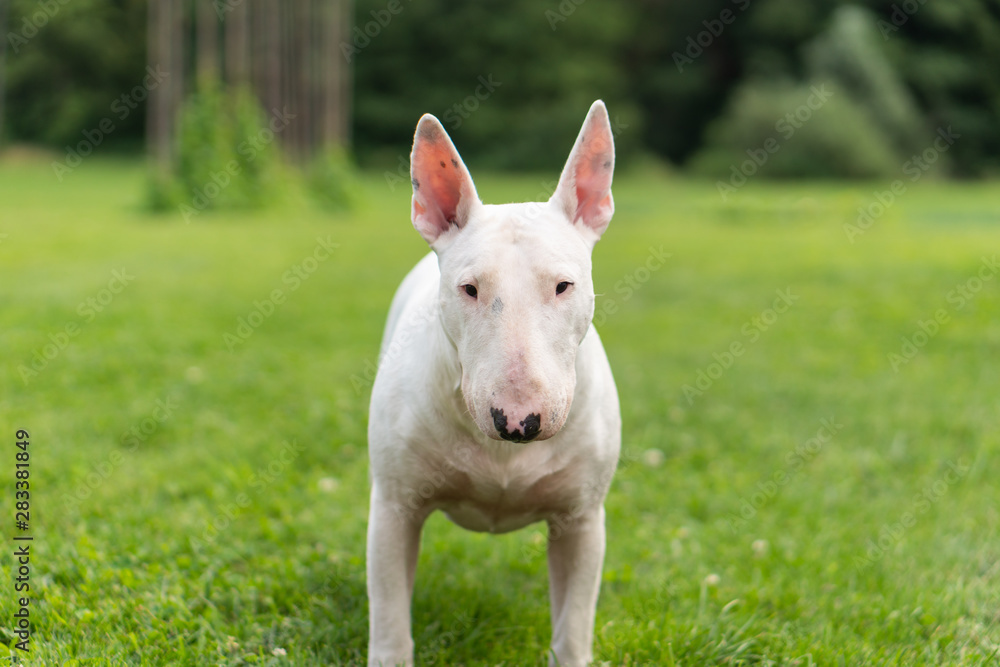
x: 790, y: 492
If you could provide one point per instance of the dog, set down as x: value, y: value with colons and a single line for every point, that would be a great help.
x: 494, y: 400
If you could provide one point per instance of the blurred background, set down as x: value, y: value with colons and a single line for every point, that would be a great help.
x: 695, y: 84
x: 203, y: 218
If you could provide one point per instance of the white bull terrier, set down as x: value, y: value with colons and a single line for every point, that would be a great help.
x: 494, y: 400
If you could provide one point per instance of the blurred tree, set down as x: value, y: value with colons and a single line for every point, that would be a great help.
x: 851, y: 53
x: 3, y: 65
x: 782, y: 129
x: 291, y: 68
x: 851, y: 117
x: 666, y: 68
x: 511, y: 81
x: 220, y: 165
x: 207, y: 64
x: 947, y: 54
x: 165, y: 26
x: 265, y: 74
x: 936, y: 67
x: 680, y: 70
x: 68, y: 62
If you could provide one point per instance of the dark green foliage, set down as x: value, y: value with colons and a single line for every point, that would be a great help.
x: 838, y: 139
x: 851, y: 53
x: 511, y: 80
x: 867, y: 127
x: 947, y: 54
x: 228, y: 157
x: 908, y: 71
x: 68, y: 63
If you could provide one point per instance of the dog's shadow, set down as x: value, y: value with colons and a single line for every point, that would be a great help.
x: 477, y: 593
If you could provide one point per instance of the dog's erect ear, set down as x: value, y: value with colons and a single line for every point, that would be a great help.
x: 443, y: 193
x: 584, y: 190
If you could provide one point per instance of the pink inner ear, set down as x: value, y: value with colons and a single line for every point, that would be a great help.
x: 439, y: 181
x: 593, y: 177
x: 584, y: 190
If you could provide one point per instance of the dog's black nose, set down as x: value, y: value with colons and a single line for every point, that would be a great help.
x: 530, y: 426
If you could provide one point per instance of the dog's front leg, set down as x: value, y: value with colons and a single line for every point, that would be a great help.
x: 393, y: 544
x: 576, y: 555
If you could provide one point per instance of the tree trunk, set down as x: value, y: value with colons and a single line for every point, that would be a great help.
x: 3, y: 65
x: 286, y: 51
x: 158, y: 49
x: 304, y: 71
x: 237, y: 72
x: 339, y: 32
x: 327, y: 57
x: 270, y: 92
x: 288, y: 79
x: 207, y: 60
x: 332, y: 74
x: 178, y: 62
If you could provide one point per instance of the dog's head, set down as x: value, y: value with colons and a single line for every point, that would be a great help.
x: 516, y: 293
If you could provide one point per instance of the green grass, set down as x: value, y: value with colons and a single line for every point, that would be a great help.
x: 128, y: 569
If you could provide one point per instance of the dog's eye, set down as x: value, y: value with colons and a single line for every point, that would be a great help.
x: 562, y: 287
x: 470, y: 290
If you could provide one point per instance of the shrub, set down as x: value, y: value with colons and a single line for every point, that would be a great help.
x: 227, y: 156
x: 333, y: 181
x: 839, y: 138
x: 850, y: 53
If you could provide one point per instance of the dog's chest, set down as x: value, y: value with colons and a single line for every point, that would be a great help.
x: 485, y: 494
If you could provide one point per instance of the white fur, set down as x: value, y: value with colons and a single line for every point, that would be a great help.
x: 448, y: 360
